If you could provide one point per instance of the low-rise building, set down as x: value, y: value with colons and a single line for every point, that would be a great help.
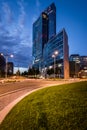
x: 74, y: 65
x: 83, y: 67
x: 78, y: 66
x: 2, y: 65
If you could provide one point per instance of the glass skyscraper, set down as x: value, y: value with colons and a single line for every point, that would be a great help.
x: 46, y: 41
x: 44, y: 29
x: 40, y: 38
x: 51, y: 12
x: 58, y: 43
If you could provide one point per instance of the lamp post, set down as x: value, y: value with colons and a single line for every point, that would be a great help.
x: 6, y: 74
x: 6, y: 56
x: 54, y: 56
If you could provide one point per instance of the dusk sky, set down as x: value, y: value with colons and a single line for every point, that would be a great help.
x: 17, y: 17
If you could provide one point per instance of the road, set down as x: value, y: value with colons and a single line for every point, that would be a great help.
x: 10, y: 92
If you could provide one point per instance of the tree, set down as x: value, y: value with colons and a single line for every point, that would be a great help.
x: 18, y: 73
x: 33, y: 71
x: 50, y: 71
x: 24, y: 73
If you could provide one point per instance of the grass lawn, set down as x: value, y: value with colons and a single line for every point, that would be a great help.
x: 61, y: 107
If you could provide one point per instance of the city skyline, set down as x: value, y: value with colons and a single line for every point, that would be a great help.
x: 18, y: 16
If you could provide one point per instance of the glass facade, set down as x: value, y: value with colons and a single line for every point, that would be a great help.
x: 83, y: 68
x: 74, y: 65
x: 56, y: 43
x: 75, y: 57
x: 78, y: 65
x: 40, y: 37
x: 51, y: 12
x: 83, y: 62
x: 46, y: 42
x: 59, y: 44
x: 44, y: 28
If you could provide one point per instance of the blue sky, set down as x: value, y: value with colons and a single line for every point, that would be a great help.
x: 17, y: 17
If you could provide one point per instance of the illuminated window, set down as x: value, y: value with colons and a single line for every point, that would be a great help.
x: 44, y: 16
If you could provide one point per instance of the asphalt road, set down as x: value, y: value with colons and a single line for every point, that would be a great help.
x: 11, y: 91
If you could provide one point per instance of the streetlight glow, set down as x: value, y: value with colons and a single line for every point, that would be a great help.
x: 1, y: 54
x: 56, y: 52
x: 54, y: 56
x: 11, y: 56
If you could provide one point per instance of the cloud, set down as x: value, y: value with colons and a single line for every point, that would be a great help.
x: 13, y: 45
x: 34, y: 18
x: 7, y: 12
x: 0, y: 18
x: 22, y: 14
x: 15, y: 38
x: 37, y: 3
x: 8, y: 43
x: 20, y: 26
x: 37, y: 12
x: 23, y: 58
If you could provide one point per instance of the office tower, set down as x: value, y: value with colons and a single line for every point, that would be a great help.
x: 44, y: 28
x: 45, y: 42
x: 58, y: 43
x: 51, y: 12
x: 40, y: 38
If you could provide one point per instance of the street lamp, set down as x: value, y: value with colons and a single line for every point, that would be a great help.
x: 6, y: 56
x: 54, y: 56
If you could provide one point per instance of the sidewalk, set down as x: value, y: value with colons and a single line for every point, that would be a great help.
x: 7, y: 109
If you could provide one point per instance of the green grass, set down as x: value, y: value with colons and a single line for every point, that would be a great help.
x: 61, y: 107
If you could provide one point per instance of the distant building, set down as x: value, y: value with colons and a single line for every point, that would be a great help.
x: 10, y: 68
x: 83, y: 60
x: 2, y: 65
x: 74, y: 65
x: 83, y: 67
x: 78, y: 65
x: 75, y: 57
